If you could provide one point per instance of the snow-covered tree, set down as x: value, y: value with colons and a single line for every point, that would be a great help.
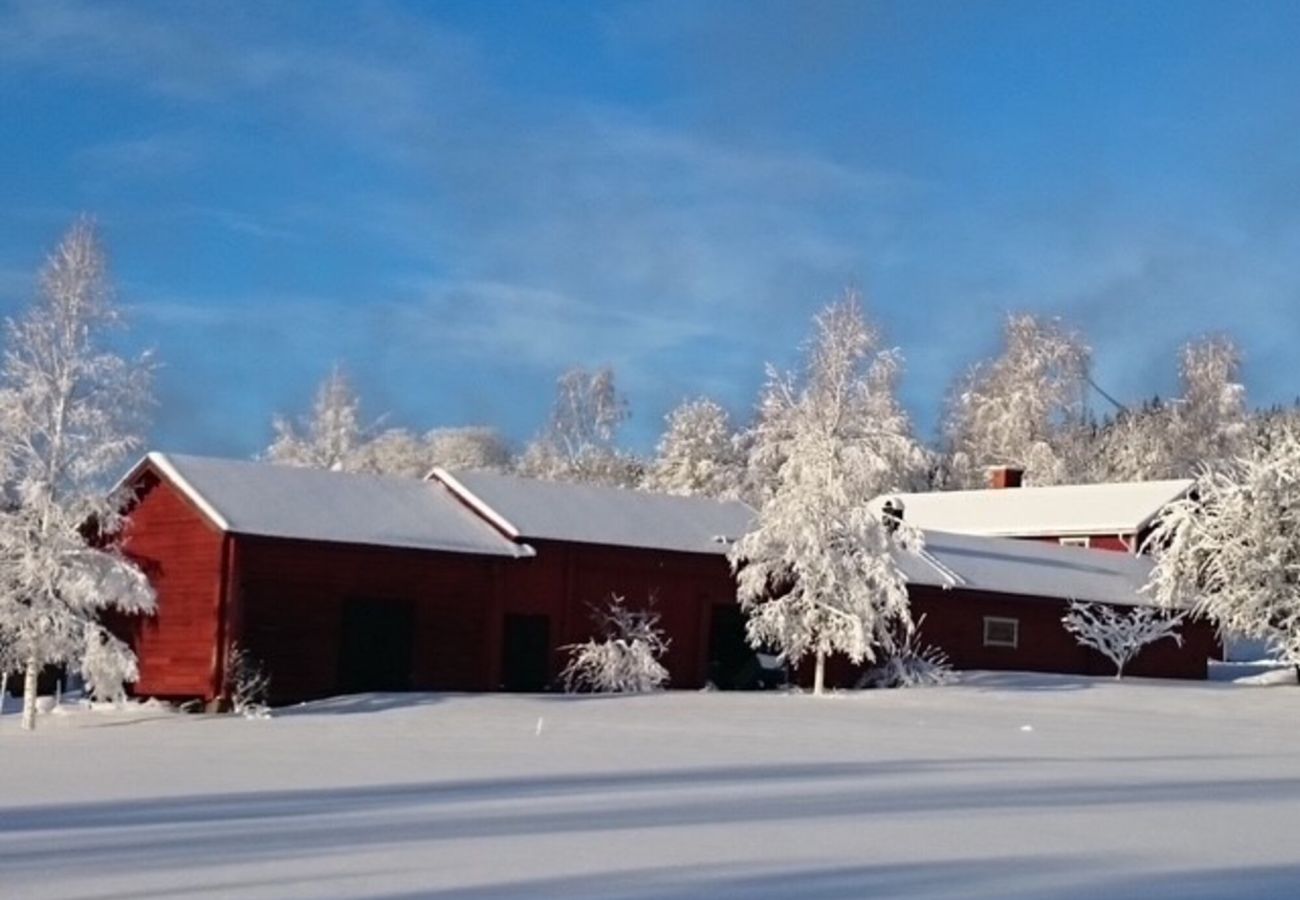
x: 333, y: 437
x: 1015, y: 409
x: 698, y: 454
x: 1231, y: 548
x: 625, y: 659
x: 472, y: 447
x: 1120, y: 635
x: 1210, y: 421
x: 578, y: 442
x: 816, y: 574
x: 70, y: 413
x: 1136, y: 444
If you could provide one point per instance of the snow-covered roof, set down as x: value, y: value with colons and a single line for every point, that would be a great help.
x: 530, y: 509
x: 267, y: 500
x: 1073, y: 509
x: 1032, y: 568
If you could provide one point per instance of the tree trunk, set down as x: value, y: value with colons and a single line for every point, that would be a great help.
x: 819, y: 673
x: 4, y: 691
x: 29, y: 694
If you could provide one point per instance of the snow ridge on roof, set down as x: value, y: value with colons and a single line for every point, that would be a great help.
x: 532, y: 509
x: 267, y: 500
x: 1072, y: 509
x: 1027, y: 567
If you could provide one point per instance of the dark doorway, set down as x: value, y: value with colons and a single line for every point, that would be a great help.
x: 525, y: 653
x: 733, y: 664
x: 375, y: 647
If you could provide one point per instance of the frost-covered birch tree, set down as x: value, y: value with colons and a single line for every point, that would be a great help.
x: 332, y: 437
x: 1210, y: 420
x: 70, y: 413
x: 699, y: 454
x: 1120, y: 636
x: 816, y: 574
x: 578, y: 442
x: 1231, y: 549
x: 1016, y: 409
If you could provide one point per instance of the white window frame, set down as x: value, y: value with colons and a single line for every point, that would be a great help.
x: 1085, y: 541
x: 1014, y: 643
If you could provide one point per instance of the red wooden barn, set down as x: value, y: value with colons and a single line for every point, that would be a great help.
x: 341, y: 582
x: 1116, y: 516
x: 471, y: 581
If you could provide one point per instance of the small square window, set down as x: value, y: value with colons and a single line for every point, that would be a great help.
x: 1001, y: 632
x: 1084, y: 541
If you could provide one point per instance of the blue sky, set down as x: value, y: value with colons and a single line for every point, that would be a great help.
x: 457, y: 201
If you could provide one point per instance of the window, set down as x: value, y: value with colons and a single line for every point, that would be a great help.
x: 1001, y: 632
x: 1084, y: 541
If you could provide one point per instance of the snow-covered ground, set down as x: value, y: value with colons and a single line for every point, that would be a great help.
x: 1003, y: 786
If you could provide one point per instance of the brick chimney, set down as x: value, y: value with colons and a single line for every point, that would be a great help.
x: 1006, y: 477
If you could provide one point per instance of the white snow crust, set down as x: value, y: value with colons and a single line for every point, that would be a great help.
x: 1004, y: 786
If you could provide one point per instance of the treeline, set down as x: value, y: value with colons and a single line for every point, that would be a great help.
x: 1028, y: 406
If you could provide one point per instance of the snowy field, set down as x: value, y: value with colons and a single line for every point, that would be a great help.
x: 1004, y: 786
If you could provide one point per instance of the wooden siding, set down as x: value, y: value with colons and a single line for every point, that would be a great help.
x: 292, y: 593
x: 565, y: 581
x: 182, y: 554
x: 1122, y: 543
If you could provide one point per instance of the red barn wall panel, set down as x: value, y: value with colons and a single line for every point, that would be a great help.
x: 292, y: 595
x: 181, y: 551
x: 1095, y: 542
x: 565, y: 581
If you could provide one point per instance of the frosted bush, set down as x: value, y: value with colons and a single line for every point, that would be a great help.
x: 107, y: 665
x: 625, y: 660
x: 248, y: 684
x: 913, y: 665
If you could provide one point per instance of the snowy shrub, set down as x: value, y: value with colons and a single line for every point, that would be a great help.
x: 912, y: 665
x: 625, y: 660
x: 1120, y: 636
x: 247, y: 684
x: 107, y: 665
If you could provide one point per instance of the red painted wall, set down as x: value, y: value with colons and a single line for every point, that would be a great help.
x: 1095, y: 542
x: 182, y: 554
x: 955, y: 622
x: 291, y: 596
x: 565, y: 580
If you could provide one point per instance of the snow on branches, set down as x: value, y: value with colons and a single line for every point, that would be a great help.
x: 1120, y: 635
x: 1016, y: 409
x: 698, y: 453
x: 1231, y: 548
x: 816, y: 575
x: 70, y: 412
x: 626, y: 659
x: 577, y: 443
x: 912, y: 664
x: 332, y: 437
